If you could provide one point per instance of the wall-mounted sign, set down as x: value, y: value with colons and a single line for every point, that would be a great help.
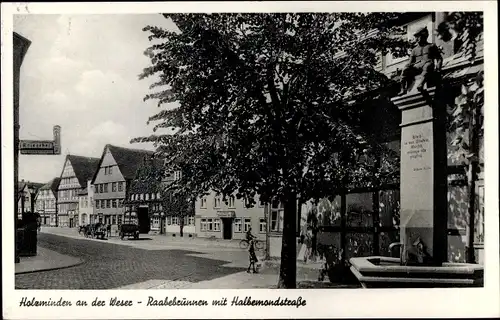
x: 42, y: 147
x: 226, y: 214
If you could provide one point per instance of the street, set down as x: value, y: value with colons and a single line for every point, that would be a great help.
x: 110, y: 265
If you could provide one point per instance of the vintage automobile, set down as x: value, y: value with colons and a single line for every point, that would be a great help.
x: 129, y: 230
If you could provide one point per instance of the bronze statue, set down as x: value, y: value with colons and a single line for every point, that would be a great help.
x: 425, y: 60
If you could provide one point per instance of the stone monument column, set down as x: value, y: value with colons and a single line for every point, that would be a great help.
x: 424, y: 213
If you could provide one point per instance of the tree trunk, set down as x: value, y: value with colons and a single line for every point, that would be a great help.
x: 288, y: 268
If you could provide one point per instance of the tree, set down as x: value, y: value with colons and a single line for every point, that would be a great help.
x: 262, y: 104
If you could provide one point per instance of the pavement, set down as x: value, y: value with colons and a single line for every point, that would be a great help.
x: 45, y: 260
x: 155, y: 262
x: 109, y: 265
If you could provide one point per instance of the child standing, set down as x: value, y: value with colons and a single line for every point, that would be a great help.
x: 252, y: 257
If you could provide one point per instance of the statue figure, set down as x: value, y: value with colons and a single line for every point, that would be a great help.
x: 425, y: 61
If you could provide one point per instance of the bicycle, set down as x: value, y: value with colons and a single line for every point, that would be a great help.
x: 245, y: 243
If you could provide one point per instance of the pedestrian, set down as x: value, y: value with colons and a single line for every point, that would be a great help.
x: 108, y: 231
x: 252, y: 257
x: 314, y: 243
x: 308, y: 243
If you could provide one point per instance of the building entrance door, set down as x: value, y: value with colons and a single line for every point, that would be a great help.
x: 227, y: 228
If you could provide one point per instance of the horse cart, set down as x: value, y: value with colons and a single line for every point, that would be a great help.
x: 97, y: 231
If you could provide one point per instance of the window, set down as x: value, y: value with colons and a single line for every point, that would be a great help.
x: 113, y: 221
x: 203, y: 225
x: 108, y: 203
x: 153, y: 196
x: 119, y: 219
x: 97, y: 204
x: 277, y: 220
x: 237, y: 225
x: 230, y: 202
x: 203, y: 203
x: 106, y: 187
x: 113, y: 187
x: 105, y: 170
x: 146, y: 196
x: 120, y: 203
x: 175, y: 220
x: 169, y: 220
x: 216, y: 224
x: 247, y: 203
x: 120, y: 186
x: 248, y: 224
x: 114, y: 203
x: 177, y: 175
x: 158, y: 196
x: 262, y: 225
x: 141, y: 196
x: 216, y: 202
x: 91, y: 201
x: 191, y: 221
x: 276, y: 204
x: 110, y: 170
x: 101, y: 188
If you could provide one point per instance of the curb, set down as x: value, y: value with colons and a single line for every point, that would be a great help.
x: 51, y: 268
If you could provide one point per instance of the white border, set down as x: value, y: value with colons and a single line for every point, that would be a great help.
x: 481, y: 302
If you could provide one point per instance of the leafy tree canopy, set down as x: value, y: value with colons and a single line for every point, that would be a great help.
x: 262, y: 98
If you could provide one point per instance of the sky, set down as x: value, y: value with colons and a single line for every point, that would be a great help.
x: 81, y: 72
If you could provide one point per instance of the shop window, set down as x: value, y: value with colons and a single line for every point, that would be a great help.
x: 237, y: 225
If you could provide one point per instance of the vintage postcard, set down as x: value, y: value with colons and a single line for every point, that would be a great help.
x: 250, y: 159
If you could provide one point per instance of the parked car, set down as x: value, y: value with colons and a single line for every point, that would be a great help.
x: 129, y: 230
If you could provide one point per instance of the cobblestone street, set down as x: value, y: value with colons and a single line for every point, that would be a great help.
x: 109, y: 265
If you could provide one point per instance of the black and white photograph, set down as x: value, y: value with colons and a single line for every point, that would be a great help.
x: 275, y: 149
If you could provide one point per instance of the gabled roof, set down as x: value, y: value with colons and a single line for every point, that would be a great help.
x: 52, y: 185
x: 84, y: 168
x: 21, y: 185
x: 142, y: 183
x: 83, y: 192
x: 128, y: 160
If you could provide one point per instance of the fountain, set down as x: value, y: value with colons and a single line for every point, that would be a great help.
x: 423, y: 254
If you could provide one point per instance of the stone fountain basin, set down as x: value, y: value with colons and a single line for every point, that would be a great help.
x: 386, y: 272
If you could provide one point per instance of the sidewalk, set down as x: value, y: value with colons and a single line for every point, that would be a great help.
x: 45, y: 260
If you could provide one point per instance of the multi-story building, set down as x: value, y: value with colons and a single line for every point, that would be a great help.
x: 145, y: 194
x: 46, y: 202
x: 77, y: 170
x: 229, y: 219
x: 27, y: 196
x: 116, y: 169
x: 86, y: 204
